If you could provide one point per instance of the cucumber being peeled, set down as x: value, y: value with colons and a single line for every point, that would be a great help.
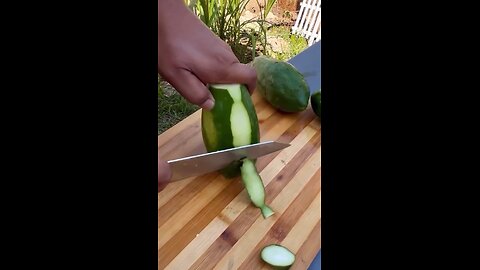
x: 277, y: 256
x: 231, y: 123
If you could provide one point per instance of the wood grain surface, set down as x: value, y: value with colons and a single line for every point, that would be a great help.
x: 208, y: 222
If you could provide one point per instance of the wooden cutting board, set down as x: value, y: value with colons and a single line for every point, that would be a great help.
x: 208, y: 222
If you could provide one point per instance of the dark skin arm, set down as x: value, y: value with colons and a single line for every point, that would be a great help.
x: 190, y: 56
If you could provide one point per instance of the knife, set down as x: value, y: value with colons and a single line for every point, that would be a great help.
x: 308, y: 63
x: 204, y: 163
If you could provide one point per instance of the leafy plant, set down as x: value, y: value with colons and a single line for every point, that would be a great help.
x: 264, y: 10
x: 223, y: 18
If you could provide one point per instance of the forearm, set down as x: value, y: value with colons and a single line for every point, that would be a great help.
x: 172, y: 15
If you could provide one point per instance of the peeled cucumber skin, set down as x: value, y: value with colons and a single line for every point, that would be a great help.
x: 281, y: 84
x: 254, y: 186
x: 316, y: 101
x: 216, y: 126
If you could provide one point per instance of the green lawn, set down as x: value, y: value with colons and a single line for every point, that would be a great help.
x: 292, y: 44
x: 172, y: 107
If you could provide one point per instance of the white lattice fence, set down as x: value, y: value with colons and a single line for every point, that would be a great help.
x: 309, y: 20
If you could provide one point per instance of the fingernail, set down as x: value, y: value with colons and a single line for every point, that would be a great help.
x: 208, y: 104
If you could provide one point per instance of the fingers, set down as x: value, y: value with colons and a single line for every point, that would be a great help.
x: 164, y: 174
x: 192, y: 89
x: 242, y: 73
x: 161, y: 186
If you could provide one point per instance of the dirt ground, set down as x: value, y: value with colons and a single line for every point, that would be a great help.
x: 284, y: 12
x: 280, y: 5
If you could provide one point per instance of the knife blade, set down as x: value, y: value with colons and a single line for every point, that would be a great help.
x: 308, y: 62
x: 196, y: 165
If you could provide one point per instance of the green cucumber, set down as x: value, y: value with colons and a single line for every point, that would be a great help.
x: 254, y: 186
x: 281, y: 84
x: 316, y: 101
x: 278, y: 256
x: 232, y: 122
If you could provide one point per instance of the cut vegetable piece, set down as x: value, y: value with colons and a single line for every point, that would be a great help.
x: 278, y: 256
x: 254, y: 186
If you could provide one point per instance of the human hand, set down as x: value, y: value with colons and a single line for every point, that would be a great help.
x: 190, y: 55
x: 164, y: 173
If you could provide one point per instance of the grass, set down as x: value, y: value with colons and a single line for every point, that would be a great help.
x: 294, y: 43
x: 172, y: 107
